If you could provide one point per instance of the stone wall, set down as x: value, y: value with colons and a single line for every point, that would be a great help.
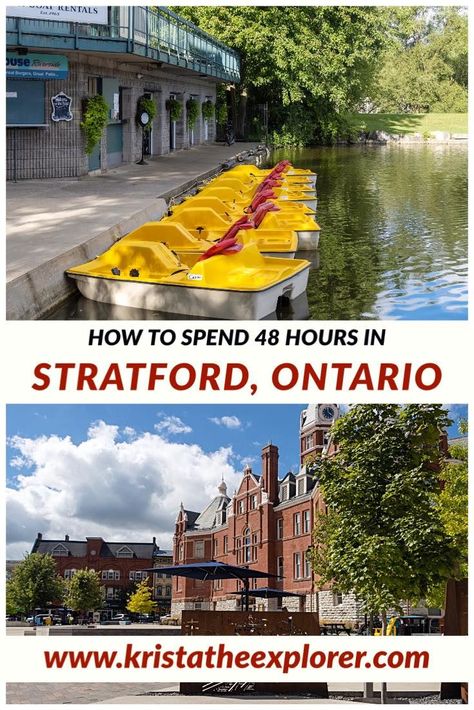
x: 57, y: 150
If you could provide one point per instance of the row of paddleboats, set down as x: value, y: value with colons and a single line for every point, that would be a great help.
x: 226, y: 252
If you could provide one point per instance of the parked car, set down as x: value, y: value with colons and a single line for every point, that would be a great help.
x: 121, y: 619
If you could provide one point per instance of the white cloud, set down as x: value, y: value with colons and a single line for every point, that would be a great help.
x: 108, y: 485
x: 231, y: 422
x: 129, y: 432
x: 173, y: 425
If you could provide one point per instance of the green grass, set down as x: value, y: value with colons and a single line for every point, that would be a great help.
x: 403, y: 123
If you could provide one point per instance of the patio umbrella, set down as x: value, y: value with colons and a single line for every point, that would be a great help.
x: 207, y: 571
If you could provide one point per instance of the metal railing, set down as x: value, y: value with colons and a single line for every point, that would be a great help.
x: 155, y: 33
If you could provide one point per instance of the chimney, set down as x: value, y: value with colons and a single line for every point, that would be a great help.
x: 154, y: 540
x: 66, y: 538
x: 270, y: 471
x: 40, y: 536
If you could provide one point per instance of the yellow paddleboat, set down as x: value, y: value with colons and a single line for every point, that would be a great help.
x: 267, y: 224
x: 233, y: 281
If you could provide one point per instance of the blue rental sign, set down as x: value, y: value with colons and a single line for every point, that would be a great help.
x: 36, y: 66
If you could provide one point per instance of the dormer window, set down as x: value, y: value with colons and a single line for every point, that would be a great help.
x: 124, y: 552
x: 285, y: 492
x: 301, y: 486
x: 60, y: 551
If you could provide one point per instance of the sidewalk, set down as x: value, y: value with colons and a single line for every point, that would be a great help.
x: 167, y: 693
x: 55, y: 223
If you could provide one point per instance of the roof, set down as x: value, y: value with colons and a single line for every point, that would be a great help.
x: 458, y: 441
x: 78, y: 548
x: 208, y: 518
x: 191, y: 516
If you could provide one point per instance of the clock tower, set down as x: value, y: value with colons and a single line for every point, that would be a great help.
x: 315, y: 422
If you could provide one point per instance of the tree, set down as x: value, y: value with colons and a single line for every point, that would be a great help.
x: 452, y: 506
x: 382, y: 537
x: 34, y: 584
x: 310, y: 64
x: 424, y: 66
x: 84, y: 592
x: 140, y: 602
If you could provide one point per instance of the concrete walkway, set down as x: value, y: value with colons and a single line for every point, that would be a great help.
x: 55, y: 224
x: 167, y: 693
x: 46, y: 218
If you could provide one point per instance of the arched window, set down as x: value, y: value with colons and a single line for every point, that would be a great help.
x: 168, y: 591
x: 159, y: 591
x: 246, y: 535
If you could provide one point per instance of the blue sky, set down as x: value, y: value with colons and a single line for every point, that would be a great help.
x: 121, y: 471
x: 256, y: 425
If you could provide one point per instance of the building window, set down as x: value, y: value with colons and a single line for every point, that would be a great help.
x: 159, y: 591
x: 216, y: 547
x: 241, y: 507
x: 112, y: 594
x: 226, y: 543
x: 297, y: 524
x: 306, y: 521
x: 284, y: 493
x: 307, y: 568
x: 254, y: 546
x: 301, y: 486
x: 181, y: 551
x: 297, y: 565
x: 247, y: 545
x: 197, y: 606
x: 125, y: 552
x: 60, y: 551
x: 308, y: 441
x: 238, y: 546
x: 199, y: 549
x: 69, y: 573
x: 280, y: 529
x: 253, y: 502
x: 337, y: 598
x: 280, y: 567
x: 168, y: 591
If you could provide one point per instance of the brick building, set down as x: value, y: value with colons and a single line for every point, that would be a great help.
x: 266, y: 524
x: 119, y: 565
x: 59, y: 56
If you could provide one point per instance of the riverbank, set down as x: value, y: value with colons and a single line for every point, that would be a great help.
x: 427, y: 127
x: 56, y: 223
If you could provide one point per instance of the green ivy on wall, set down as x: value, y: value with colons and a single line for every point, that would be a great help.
x: 221, y: 114
x: 94, y: 120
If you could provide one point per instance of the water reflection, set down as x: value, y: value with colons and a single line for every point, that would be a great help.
x: 393, y: 242
x: 394, y: 232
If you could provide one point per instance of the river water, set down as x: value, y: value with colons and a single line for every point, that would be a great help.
x: 393, y: 236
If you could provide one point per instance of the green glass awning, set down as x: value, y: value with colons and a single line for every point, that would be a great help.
x: 156, y: 34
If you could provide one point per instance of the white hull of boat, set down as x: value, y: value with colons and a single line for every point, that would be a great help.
x: 308, y: 239
x: 199, y: 302
x: 311, y: 202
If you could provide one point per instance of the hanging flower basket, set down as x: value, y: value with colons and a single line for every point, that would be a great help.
x: 175, y: 108
x: 208, y: 110
x: 192, y: 113
x: 149, y: 106
x: 94, y: 119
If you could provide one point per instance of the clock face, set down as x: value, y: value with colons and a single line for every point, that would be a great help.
x: 144, y: 118
x: 327, y: 412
